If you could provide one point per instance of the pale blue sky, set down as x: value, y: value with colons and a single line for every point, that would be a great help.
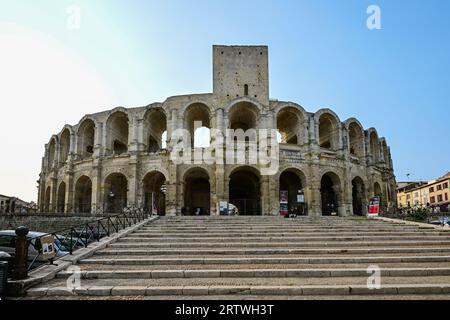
x: 132, y: 53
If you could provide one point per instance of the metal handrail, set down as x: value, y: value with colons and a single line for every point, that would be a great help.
x: 82, y: 235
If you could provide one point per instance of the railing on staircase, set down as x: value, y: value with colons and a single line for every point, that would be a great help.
x: 31, y: 253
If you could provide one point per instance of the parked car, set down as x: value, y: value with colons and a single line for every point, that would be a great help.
x: 8, y: 245
x: 441, y: 221
x: 6, y: 257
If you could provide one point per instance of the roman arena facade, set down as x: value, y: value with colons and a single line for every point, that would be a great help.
x: 124, y: 157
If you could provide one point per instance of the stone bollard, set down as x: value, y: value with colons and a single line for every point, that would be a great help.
x: 20, y: 269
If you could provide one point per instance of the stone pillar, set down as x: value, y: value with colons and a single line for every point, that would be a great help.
x: 274, y: 187
x: 265, y: 195
x: 172, y: 205
x: 97, y: 188
x: 53, y: 195
x: 132, y: 136
x: 69, y: 196
x: 99, y: 141
x: 133, y: 182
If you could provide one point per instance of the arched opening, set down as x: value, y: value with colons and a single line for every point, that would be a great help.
x: 86, y: 134
x: 83, y: 195
x: 197, y: 192
x: 155, y: 124
x: 358, y: 196
x: 328, y: 132
x: 116, y: 189
x: 243, y: 115
x: 155, y: 193
x: 330, y: 188
x: 197, y: 120
x: 289, y: 123
x: 51, y: 153
x: 64, y: 146
x: 61, y: 201
x: 244, y: 191
x: 117, y: 133
x: 47, y: 204
x: 291, y: 189
x: 356, y: 140
x: 385, y: 152
x: 374, y: 147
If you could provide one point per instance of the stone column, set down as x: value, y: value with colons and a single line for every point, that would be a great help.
x: 172, y: 206
x: 97, y: 189
x: 265, y: 195
x: 274, y: 187
x: 53, y: 195
x: 133, y: 181
x: 69, y: 192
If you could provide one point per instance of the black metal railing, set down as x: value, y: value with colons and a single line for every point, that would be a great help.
x: 68, y: 240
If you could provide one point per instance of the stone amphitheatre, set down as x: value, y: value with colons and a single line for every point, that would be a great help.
x: 124, y: 157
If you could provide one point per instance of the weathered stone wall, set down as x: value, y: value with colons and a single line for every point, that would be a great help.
x: 42, y: 223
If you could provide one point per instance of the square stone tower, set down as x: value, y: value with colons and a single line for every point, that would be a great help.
x: 241, y: 71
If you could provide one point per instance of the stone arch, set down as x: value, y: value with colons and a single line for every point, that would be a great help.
x: 197, y: 112
x: 64, y: 146
x: 83, y: 195
x: 61, y: 197
x: 117, y: 133
x: 355, y: 137
x: 384, y: 151
x: 331, y: 193
x: 52, y: 150
x: 86, y: 138
x: 243, y: 115
x: 155, y: 125
x: 196, y: 192
x: 291, y: 124
x: 374, y: 146
x: 244, y: 190
x: 115, y: 192
x: 293, y: 180
x: 154, y: 192
x: 47, y: 199
x: 359, y: 196
x: 328, y: 129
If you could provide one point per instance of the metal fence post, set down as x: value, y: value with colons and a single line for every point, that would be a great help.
x: 20, y: 270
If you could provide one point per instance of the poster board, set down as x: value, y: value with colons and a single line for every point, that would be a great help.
x: 373, y: 209
x: 48, y: 247
x: 284, y: 203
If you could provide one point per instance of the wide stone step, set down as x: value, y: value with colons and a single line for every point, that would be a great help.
x: 256, y: 266
x: 252, y: 273
x: 220, y: 239
x: 297, y: 244
x: 140, y: 234
x: 278, y: 228
x: 112, y: 260
x: 293, y: 283
x: 267, y: 251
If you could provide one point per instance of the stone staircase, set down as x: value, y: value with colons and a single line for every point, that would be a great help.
x: 263, y: 258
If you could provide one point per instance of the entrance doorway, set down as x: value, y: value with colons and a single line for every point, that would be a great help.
x: 244, y: 192
x: 358, y: 196
x: 329, y: 191
x: 197, y: 193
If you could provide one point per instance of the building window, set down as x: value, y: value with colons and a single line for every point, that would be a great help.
x: 431, y: 189
x: 446, y: 197
x: 440, y: 198
x: 245, y: 89
x: 432, y: 199
x: 439, y: 187
x: 445, y: 185
x: 416, y: 194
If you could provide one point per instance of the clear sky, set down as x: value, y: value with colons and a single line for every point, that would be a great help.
x: 132, y: 53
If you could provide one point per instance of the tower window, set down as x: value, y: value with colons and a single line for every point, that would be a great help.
x: 245, y: 89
